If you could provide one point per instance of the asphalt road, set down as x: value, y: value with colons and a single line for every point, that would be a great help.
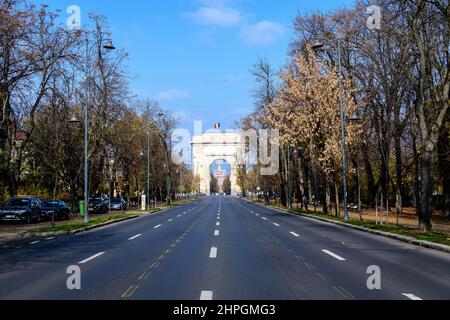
x: 222, y: 248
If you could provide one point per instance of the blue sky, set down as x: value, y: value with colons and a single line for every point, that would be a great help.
x: 194, y: 56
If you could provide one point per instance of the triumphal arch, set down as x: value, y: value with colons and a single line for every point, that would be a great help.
x: 215, y: 146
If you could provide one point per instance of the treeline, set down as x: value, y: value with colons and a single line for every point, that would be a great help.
x: 395, y: 90
x: 48, y: 75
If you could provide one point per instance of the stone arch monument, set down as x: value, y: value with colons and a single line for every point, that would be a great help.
x: 214, y: 146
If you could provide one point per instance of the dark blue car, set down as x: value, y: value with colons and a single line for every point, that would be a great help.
x: 26, y: 210
x: 57, y: 210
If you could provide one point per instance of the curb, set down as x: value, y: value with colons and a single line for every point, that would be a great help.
x: 59, y: 233
x: 410, y: 240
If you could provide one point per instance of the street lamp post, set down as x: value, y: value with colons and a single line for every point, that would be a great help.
x: 108, y: 46
x: 148, y: 171
x: 317, y: 47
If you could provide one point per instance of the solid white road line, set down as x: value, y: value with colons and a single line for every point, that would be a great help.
x: 34, y: 242
x: 276, y: 224
x: 156, y: 227
x: 216, y: 233
x: 333, y: 255
x: 206, y: 295
x: 411, y: 296
x: 135, y: 237
x: 218, y: 224
x: 294, y: 234
x: 91, y: 258
x: 213, y: 253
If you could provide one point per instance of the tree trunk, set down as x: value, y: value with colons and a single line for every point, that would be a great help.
x: 73, y: 197
x: 416, y: 174
x: 400, y: 194
x: 327, y: 197
x: 300, y: 184
x: 444, y: 168
x: 283, y: 196
x: 13, y: 182
x: 426, y: 190
x: 336, y: 195
x: 371, y: 187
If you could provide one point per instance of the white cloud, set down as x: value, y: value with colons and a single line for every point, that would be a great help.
x: 216, y: 16
x: 173, y: 94
x: 261, y: 33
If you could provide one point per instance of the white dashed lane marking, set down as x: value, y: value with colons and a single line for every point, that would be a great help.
x: 135, y: 237
x: 206, y: 295
x: 411, y: 296
x: 213, y: 253
x: 156, y: 227
x: 294, y: 234
x: 334, y: 255
x: 91, y: 258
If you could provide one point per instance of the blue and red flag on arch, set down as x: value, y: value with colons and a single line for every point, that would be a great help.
x: 217, y: 126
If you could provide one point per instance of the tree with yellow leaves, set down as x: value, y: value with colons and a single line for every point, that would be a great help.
x: 308, y: 116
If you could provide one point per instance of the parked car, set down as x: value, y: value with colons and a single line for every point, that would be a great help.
x: 17, y: 209
x: 59, y: 209
x: 98, y: 205
x: 118, y: 204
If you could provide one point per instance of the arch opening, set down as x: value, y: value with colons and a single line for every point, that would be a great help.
x: 220, y: 174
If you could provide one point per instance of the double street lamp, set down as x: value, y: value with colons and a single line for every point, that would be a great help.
x: 316, y: 47
x: 108, y: 46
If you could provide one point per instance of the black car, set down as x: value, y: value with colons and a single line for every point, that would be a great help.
x: 118, y: 204
x: 26, y: 210
x: 98, y: 205
x: 57, y: 209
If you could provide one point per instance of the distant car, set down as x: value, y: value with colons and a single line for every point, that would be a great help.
x: 118, y: 204
x: 98, y: 205
x: 59, y: 209
x: 26, y: 210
